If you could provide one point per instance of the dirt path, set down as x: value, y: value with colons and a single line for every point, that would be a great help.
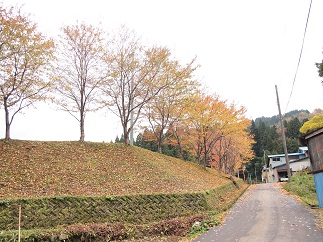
x: 265, y: 213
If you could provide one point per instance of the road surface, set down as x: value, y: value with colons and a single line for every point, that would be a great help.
x: 266, y: 214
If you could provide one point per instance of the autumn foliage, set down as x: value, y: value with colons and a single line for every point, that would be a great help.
x: 213, y: 131
x: 25, y: 55
x: 138, y: 83
x: 315, y: 123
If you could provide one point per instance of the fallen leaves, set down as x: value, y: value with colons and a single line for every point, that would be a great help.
x: 38, y: 169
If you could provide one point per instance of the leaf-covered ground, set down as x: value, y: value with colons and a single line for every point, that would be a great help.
x: 38, y: 169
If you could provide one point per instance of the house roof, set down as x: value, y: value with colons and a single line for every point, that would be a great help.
x: 313, y: 133
x: 283, y: 166
x: 282, y: 155
x: 301, y: 150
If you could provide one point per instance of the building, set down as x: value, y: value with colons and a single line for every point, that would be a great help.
x: 314, y: 141
x: 275, y: 168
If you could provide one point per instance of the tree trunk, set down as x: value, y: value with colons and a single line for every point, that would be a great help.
x: 179, y: 144
x: 205, y: 155
x: 7, y: 136
x: 180, y: 151
x: 159, y: 142
x: 82, y: 114
x: 159, y: 146
x: 220, y: 164
x: 82, y: 118
x: 126, y: 135
x: 198, y: 154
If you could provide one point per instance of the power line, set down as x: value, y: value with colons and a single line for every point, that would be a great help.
x: 300, y: 55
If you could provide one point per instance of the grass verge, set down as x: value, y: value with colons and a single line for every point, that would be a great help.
x: 302, y: 185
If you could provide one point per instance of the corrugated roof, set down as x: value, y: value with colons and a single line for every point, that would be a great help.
x: 282, y: 155
x: 292, y: 161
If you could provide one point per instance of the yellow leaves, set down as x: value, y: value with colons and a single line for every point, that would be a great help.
x: 315, y: 123
x: 214, y: 127
x: 24, y: 52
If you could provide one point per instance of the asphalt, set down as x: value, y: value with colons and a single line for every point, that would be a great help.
x: 265, y: 213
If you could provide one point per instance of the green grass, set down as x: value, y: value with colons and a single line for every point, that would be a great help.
x: 302, y: 185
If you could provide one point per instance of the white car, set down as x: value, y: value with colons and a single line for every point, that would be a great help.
x: 283, y: 179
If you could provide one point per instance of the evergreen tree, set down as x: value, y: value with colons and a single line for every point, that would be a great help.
x: 117, y: 140
x: 292, y: 145
x: 262, y: 137
x: 292, y: 129
x: 254, y: 168
x: 257, y: 148
x: 122, y: 139
x: 275, y: 141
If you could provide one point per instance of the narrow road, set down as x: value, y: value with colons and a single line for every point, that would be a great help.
x: 264, y: 213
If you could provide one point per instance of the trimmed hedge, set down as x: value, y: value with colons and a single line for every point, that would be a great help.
x: 46, y: 213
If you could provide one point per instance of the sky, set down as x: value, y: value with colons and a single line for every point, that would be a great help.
x: 244, y: 48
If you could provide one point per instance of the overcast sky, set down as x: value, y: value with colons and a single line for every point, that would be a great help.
x: 244, y: 48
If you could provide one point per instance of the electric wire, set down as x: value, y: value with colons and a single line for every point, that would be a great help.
x: 300, y: 56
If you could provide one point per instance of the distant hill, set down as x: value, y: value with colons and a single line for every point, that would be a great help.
x: 39, y: 169
x: 300, y: 114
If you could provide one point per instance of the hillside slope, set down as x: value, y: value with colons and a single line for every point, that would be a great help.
x: 41, y: 169
x: 274, y: 120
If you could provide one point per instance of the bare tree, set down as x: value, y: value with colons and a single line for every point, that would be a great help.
x: 25, y: 55
x: 132, y: 78
x: 78, y: 71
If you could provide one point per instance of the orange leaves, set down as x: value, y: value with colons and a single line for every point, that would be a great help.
x: 148, y: 135
x: 213, y: 130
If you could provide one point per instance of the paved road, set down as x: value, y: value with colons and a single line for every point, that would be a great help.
x: 264, y: 213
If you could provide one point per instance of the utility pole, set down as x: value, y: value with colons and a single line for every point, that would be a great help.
x: 283, y: 136
x: 265, y: 171
x: 19, y: 222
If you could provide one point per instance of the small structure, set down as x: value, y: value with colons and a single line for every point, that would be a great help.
x: 314, y: 141
x: 275, y: 169
x: 280, y: 172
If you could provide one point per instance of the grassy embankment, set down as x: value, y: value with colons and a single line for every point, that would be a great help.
x: 101, y: 190
x: 302, y: 185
